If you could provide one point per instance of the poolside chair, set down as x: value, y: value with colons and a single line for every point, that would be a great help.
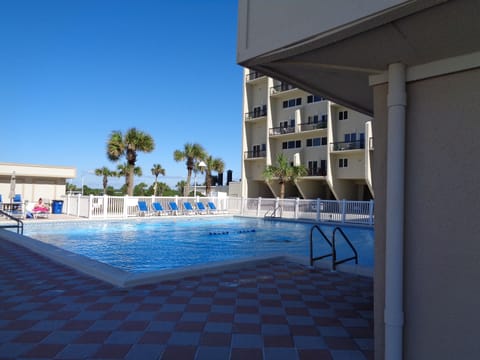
x: 35, y: 214
x: 158, y: 209
x: 201, y: 209
x: 174, y: 208
x: 189, y: 210
x: 143, y: 208
x: 212, y: 209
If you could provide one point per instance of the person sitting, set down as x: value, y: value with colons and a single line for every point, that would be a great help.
x: 40, y: 206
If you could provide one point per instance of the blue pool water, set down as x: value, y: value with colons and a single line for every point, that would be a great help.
x: 147, y: 245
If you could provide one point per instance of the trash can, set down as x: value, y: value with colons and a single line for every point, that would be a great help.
x: 57, y: 206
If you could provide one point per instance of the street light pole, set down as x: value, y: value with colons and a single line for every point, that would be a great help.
x: 200, y: 165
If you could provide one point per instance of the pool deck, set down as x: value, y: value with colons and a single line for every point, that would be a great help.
x: 268, y: 310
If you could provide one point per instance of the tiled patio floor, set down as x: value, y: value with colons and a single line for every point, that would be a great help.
x: 274, y: 310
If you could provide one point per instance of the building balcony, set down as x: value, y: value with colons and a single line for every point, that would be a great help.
x: 281, y: 130
x: 281, y: 88
x: 255, y: 154
x: 316, y: 172
x: 256, y: 113
x: 313, y: 126
x: 254, y: 75
x: 348, y: 145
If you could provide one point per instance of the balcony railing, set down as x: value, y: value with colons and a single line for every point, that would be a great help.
x: 280, y: 130
x: 282, y: 87
x: 316, y: 172
x: 252, y: 75
x: 348, y: 145
x: 255, y: 154
x: 257, y: 113
x: 313, y: 126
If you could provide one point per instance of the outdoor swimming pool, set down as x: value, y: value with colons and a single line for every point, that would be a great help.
x: 145, y: 245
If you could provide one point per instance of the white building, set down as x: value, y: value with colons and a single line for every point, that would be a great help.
x: 332, y: 141
x: 415, y: 67
x: 34, y: 181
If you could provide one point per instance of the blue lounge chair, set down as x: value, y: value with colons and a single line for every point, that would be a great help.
x: 143, y: 209
x: 201, y: 209
x: 189, y: 210
x: 158, y: 209
x: 17, y: 198
x: 213, y: 209
x: 174, y: 208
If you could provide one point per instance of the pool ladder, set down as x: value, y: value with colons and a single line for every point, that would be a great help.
x: 18, y: 225
x: 272, y: 213
x: 332, y: 245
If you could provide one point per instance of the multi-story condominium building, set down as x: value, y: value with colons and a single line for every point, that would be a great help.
x: 333, y: 142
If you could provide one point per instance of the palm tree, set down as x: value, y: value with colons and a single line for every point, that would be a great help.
x: 157, y: 169
x: 284, y: 172
x: 124, y: 170
x: 181, y: 186
x: 162, y: 187
x: 191, y: 153
x: 105, y: 172
x: 217, y: 165
x: 128, y: 145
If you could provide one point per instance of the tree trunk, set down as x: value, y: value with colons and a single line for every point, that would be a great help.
x: 208, y: 183
x: 130, y: 180
x: 282, y: 189
x: 186, y: 189
x: 155, y: 186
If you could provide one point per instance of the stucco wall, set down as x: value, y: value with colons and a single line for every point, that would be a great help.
x: 442, y: 247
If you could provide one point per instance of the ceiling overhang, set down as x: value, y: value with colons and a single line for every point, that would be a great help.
x: 338, y: 65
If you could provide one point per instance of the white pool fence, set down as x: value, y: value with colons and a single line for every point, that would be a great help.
x: 337, y: 211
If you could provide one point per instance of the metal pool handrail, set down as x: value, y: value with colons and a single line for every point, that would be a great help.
x: 355, y: 257
x: 332, y: 246
x: 18, y: 226
x: 312, y: 259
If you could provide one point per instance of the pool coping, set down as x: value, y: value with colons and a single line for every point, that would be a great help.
x: 125, y: 279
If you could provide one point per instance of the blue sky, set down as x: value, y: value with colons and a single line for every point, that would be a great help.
x: 73, y: 71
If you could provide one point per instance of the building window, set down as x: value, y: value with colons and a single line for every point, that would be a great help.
x: 292, y: 144
x: 343, y: 163
x: 314, y: 98
x: 350, y: 137
x: 292, y: 102
x: 316, y: 141
x: 343, y: 115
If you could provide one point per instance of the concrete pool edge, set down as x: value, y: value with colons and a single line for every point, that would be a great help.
x: 124, y: 279
x: 118, y: 277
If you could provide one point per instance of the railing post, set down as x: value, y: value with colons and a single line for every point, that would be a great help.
x: 78, y: 204
x: 370, y: 212
x: 90, y: 206
x: 297, y: 202
x: 105, y: 205
x: 125, y: 206
x: 344, y: 203
x: 242, y: 205
x: 275, y: 207
x: 258, y: 206
x: 318, y: 209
